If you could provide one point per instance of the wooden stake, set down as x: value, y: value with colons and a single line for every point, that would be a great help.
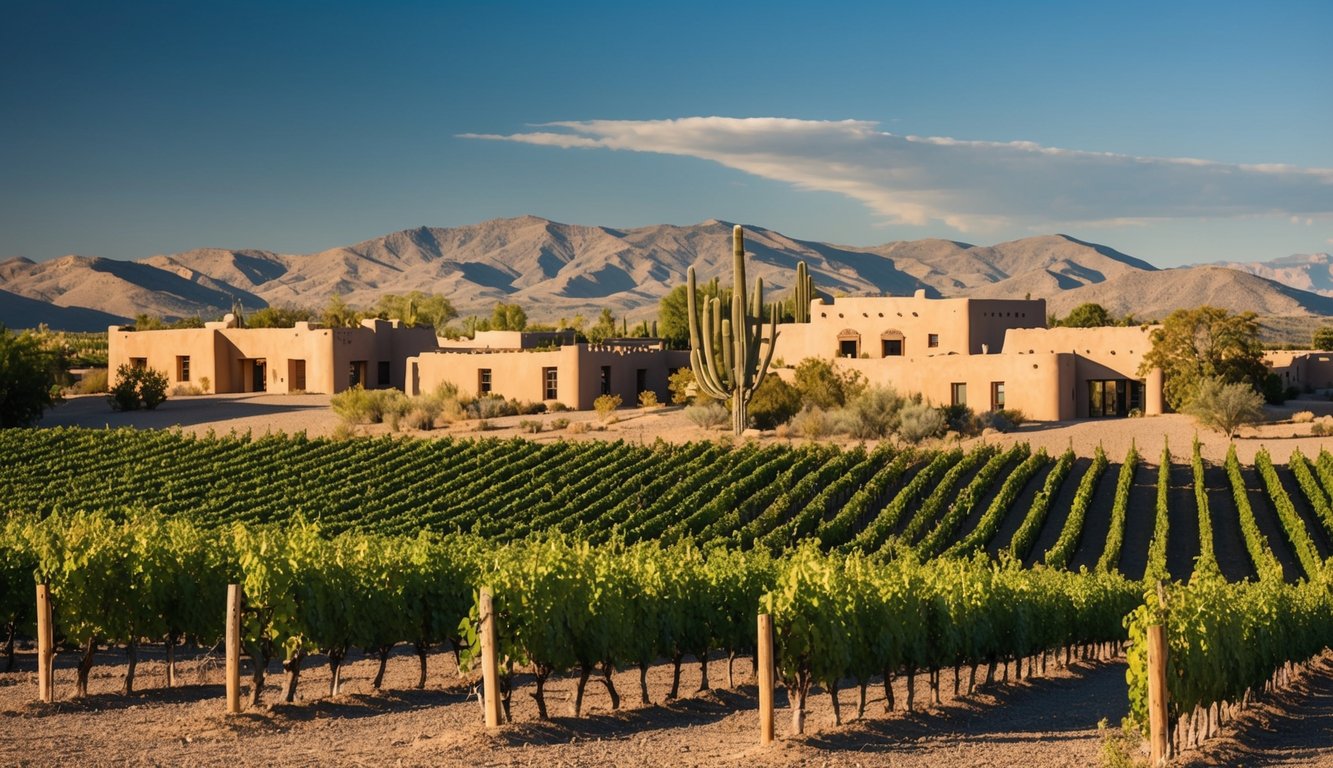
x: 1157, y: 696
x: 490, y: 668
x: 766, y: 676
x: 46, y: 654
x: 233, y: 670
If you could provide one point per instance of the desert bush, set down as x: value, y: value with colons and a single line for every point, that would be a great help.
x: 1302, y: 417
x: 531, y: 426
x: 358, y: 405
x: 205, y: 383
x: 648, y: 399
x: 710, y: 416
x: 559, y: 424
x: 681, y: 384
x: 1003, y: 420
x: 136, y: 388
x: 486, y: 425
x: 555, y: 406
x: 578, y: 427
x: 1273, y: 391
x: 420, y: 417
x: 493, y: 407
x: 919, y: 421
x: 93, y: 382
x: 185, y: 389
x: 1225, y: 407
x: 823, y: 385
x: 961, y: 419
x: 812, y: 422
x: 873, y: 413
x: 606, y: 406
x: 1322, y: 426
x: 774, y: 402
x: 524, y: 408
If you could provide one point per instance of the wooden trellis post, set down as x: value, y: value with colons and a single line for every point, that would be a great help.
x: 490, y: 667
x: 766, y: 678
x: 46, y: 655
x: 233, y: 649
x: 1158, y: 741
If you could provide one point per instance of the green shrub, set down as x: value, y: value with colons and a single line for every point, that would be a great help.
x: 824, y: 386
x: 1274, y: 392
x: 648, y: 399
x: 493, y: 407
x: 960, y: 418
x: 774, y: 402
x: 559, y: 424
x: 137, y: 387
x: 812, y: 422
x: 1225, y: 407
x: 531, y: 426
x: 681, y: 384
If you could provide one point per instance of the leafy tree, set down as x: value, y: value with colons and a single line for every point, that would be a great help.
x: 680, y: 382
x: 508, y: 317
x: 417, y: 309
x: 604, y: 328
x: 1090, y: 315
x: 1225, y: 406
x: 822, y: 385
x: 279, y: 317
x: 338, y: 314
x: 673, y: 312
x: 1207, y: 342
x: 147, y: 322
x: 1323, y: 338
x: 25, y: 379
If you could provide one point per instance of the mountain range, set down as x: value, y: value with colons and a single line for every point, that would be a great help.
x: 558, y: 270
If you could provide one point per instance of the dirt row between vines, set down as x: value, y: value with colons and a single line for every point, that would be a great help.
x: 1045, y: 721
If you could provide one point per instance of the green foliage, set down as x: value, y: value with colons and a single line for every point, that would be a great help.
x: 774, y: 402
x: 1156, y: 568
x: 1224, y: 407
x: 1115, y: 539
x: 708, y: 416
x: 605, y: 406
x: 1322, y: 338
x: 338, y: 314
x: 874, y: 412
x: 137, y: 387
x: 279, y: 317
x: 681, y: 382
x: 824, y: 386
x: 1274, y: 393
x: 1090, y: 315
x: 508, y: 317
x: 1194, y: 345
x: 1062, y: 551
x: 146, y: 322
x: 417, y: 309
x: 604, y: 328
x: 1207, y: 560
x: 358, y: 405
x: 1026, y: 535
x: 1256, y: 544
x: 26, y: 381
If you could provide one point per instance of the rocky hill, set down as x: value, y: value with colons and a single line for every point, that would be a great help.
x: 558, y: 270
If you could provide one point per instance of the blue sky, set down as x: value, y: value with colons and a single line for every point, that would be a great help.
x: 1177, y: 132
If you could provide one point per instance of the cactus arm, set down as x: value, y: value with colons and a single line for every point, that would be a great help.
x: 692, y: 307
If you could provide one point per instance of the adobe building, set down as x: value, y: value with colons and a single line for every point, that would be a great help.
x: 526, y: 367
x: 1303, y: 369
x: 987, y: 354
x: 306, y: 358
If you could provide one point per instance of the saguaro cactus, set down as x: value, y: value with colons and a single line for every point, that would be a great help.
x: 801, y: 293
x: 725, y: 352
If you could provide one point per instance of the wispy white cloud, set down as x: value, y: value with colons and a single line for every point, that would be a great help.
x: 968, y: 185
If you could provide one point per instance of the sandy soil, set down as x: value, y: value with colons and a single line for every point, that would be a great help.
x: 1045, y: 721
x: 262, y: 414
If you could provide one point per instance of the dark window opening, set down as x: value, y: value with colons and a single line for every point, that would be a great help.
x: 383, y: 374
x: 484, y: 381
x: 138, y: 362
x: 550, y: 389
x: 606, y: 379
x: 933, y: 340
x: 356, y: 373
x: 1114, y: 397
x: 958, y: 393
x: 640, y: 381
x: 296, y: 375
x: 892, y: 347
x: 996, y: 395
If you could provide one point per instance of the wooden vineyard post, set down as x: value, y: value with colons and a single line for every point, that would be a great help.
x: 233, y: 649
x: 46, y: 654
x: 1158, y: 742
x: 766, y: 675
x: 490, y: 668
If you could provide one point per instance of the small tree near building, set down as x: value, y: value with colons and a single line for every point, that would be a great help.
x: 1323, y: 338
x: 26, y: 383
x: 1224, y: 406
x: 1208, y: 342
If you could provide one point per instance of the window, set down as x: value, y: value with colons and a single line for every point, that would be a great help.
x: 892, y: 347
x: 640, y: 380
x: 847, y: 347
x: 933, y: 340
x: 356, y: 373
x: 383, y: 374
x: 182, y: 368
x: 958, y: 393
x: 996, y: 395
x: 138, y: 362
x: 550, y: 388
x: 606, y: 379
x: 484, y: 381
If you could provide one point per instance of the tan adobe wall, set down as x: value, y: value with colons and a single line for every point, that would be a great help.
x: 961, y: 326
x: 1302, y: 368
x: 521, y: 374
x: 1039, y: 385
x: 510, y: 340
x: 1102, y: 354
x: 161, y: 349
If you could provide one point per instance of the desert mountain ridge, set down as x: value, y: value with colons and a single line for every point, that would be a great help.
x: 559, y: 270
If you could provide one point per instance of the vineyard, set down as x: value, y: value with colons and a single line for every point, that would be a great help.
x: 873, y: 564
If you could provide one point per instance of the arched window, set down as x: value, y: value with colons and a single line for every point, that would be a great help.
x: 892, y: 343
x: 849, y: 343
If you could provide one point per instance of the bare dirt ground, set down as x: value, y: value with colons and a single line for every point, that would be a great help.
x: 260, y: 414
x: 1044, y: 721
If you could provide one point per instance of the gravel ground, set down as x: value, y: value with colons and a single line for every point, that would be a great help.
x: 1046, y: 721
